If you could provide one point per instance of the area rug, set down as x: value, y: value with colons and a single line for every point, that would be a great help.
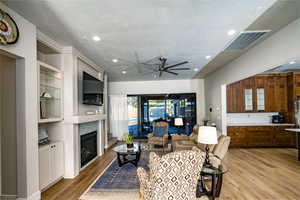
x: 119, y: 182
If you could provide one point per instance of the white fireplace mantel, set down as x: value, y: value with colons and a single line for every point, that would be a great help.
x: 79, y: 119
x: 72, y: 140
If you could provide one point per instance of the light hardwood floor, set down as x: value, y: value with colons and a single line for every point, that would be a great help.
x: 260, y: 173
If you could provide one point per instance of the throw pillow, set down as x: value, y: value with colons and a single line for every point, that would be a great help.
x: 159, y: 131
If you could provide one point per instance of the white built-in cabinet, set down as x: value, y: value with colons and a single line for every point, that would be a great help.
x: 50, y: 93
x: 51, y: 163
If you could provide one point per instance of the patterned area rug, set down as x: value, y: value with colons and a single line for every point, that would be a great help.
x: 121, y: 178
x: 120, y: 182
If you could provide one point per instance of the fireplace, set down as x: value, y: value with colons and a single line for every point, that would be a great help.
x: 88, y: 147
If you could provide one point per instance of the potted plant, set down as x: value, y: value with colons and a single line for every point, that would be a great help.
x: 128, y: 139
x: 206, y: 122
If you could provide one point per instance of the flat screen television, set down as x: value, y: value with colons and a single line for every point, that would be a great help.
x: 92, y: 90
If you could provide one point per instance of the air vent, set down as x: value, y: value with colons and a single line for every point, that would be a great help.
x: 245, y: 39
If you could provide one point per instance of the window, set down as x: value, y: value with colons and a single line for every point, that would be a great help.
x: 260, y: 98
x: 248, y: 99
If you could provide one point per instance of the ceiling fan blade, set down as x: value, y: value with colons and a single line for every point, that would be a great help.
x: 163, y: 62
x: 180, y: 69
x: 138, y: 67
x: 137, y: 57
x: 148, y: 61
x: 147, y: 73
x: 171, y: 66
x: 171, y: 72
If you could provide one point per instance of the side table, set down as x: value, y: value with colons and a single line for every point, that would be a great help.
x: 216, y: 175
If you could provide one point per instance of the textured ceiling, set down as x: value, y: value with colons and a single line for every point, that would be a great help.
x: 177, y: 29
x: 288, y: 67
x: 280, y: 14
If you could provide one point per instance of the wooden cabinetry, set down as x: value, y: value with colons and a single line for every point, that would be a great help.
x: 293, y: 93
x: 260, y: 136
x: 51, y: 163
x: 235, y: 97
x: 275, y: 94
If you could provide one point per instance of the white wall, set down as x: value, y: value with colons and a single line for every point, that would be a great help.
x: 27, y: 128
x: 278, y: 49
x: 163, y: 87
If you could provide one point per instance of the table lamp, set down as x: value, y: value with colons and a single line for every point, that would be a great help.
x: 207, y: 135
x: 178, y: 122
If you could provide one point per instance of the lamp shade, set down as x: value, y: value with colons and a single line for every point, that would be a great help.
x: 207, y: 135
x: 178, y: 121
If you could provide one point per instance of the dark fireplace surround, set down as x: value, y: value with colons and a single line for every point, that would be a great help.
x: 88, y: 147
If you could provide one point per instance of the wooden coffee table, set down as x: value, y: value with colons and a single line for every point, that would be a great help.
x: 128, y: 155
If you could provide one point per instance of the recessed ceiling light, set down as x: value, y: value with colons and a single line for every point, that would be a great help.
x: 196, y: 69
x: 231, y: 32
x: 292, y: 62
x: 115, y: 60
x: 96, y: 38
x: 124, y: 72
x: 208, y: 57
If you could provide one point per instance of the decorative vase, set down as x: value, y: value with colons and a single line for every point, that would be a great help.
x: 130, y: 145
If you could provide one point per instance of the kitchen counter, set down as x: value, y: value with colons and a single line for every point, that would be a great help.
x: 259, y: 124
x: 293, y: 129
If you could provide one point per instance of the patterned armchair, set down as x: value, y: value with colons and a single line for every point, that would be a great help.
x: 172, y: 176
x: 159, y: 140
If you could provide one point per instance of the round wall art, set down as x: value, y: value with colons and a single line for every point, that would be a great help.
x: 9, y: 32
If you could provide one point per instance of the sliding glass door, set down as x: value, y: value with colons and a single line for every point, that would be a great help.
x: 133, y: 115
x: 145, y: 109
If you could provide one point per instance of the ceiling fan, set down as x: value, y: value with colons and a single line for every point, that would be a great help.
x: 169, y: 68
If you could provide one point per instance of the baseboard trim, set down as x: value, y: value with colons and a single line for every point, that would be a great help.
x: 34, y: 196
x: 8, y: 197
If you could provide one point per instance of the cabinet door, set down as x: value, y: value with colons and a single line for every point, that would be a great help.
x: 284, y: 138
x: 270, y: 105
x: 296, y: 82
x: 237, y: 136
x: 281, y: 93
x: 237, y: 97
x: 248, y: 98
x: 260, y: 99
x: 260, y: 136
x: 229, y: 97
x: 57, y: 161
x: 44, y: 167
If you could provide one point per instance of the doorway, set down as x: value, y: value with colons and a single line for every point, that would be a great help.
x: 143, y: 110
x: 8, y: 135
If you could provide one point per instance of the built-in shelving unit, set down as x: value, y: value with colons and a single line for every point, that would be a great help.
x: 50, y: 111
x: 50, y: 93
